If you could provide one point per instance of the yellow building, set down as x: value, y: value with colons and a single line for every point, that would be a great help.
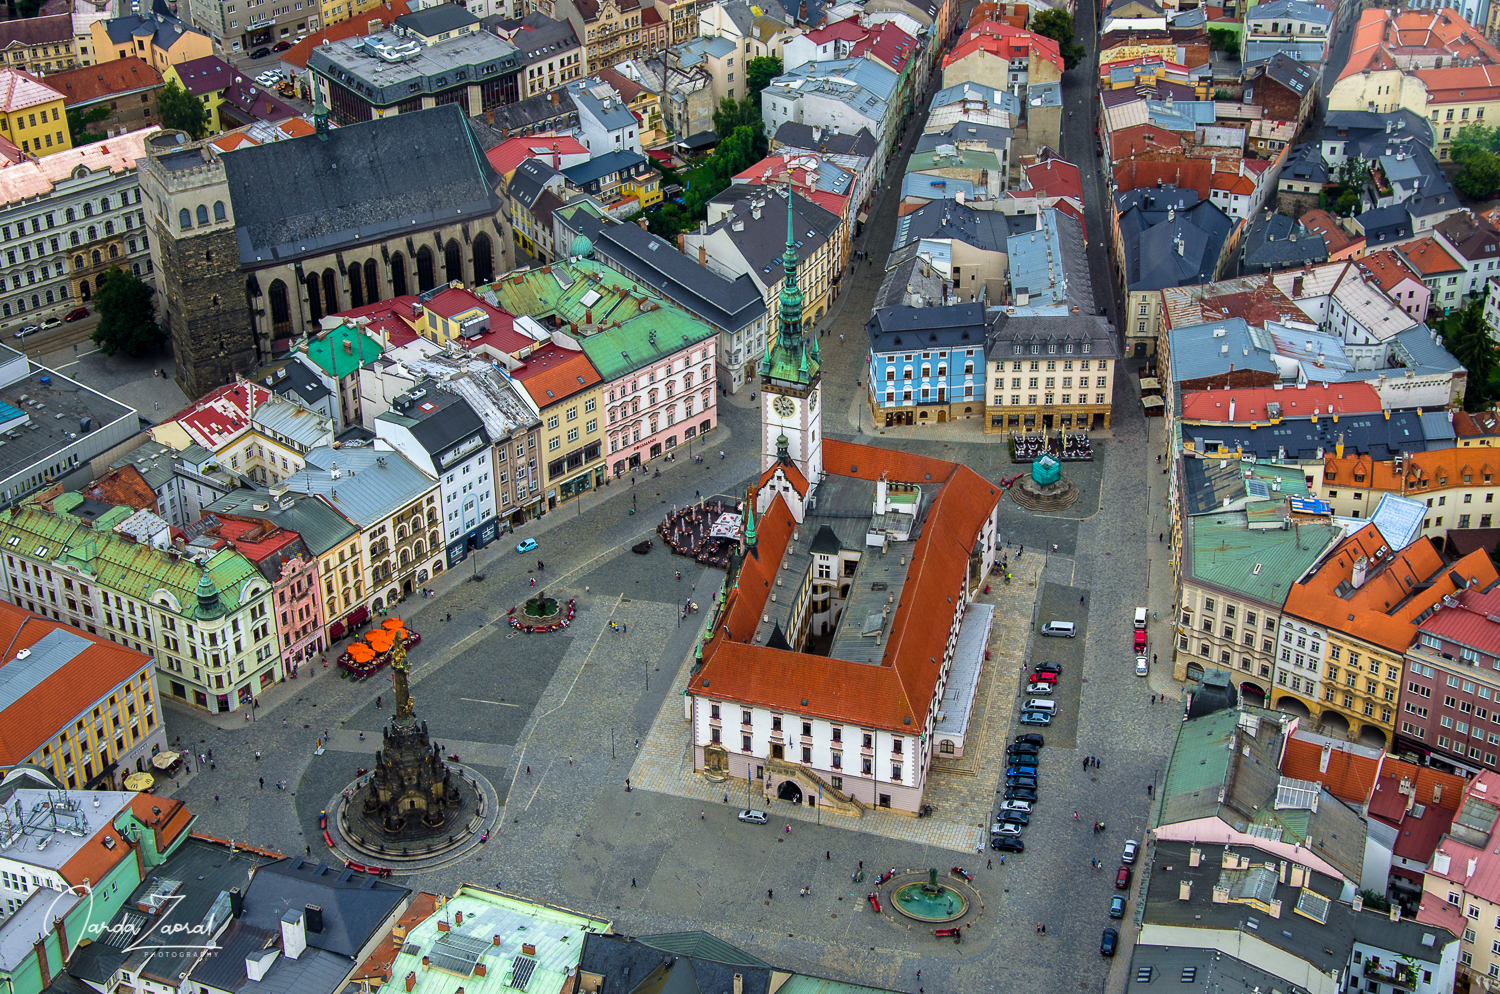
x: 38, y: 44
x: 610, y: 31
x: 162, y: 42
x: 31, y: 114
x: 566, y: 391
x: 646, y: 186
x: 333, y: 11
x: 207, y: 79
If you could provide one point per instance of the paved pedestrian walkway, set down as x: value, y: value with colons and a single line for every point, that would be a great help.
x: 962, y: 792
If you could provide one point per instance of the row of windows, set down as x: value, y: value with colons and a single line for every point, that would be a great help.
x: 185, y: 218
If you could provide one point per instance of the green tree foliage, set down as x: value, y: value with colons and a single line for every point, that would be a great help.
x: 1348, y: 204
x: 1480, y: 176
x: 127, y: 318
x: 182, y: 111
x: 78, y: 125
x: 758, y: 73
x: 1223, y: 40
x: 28, y: 8
x: 1468, y: 339
x: 1473, y: 139
x: 1058, y: 25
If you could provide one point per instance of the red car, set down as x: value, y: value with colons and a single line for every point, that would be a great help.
x: 1044, y: 678
x: 76, y: 314
x: 1140, y: 640
x: 281, y: 46
x: 1122, y: 879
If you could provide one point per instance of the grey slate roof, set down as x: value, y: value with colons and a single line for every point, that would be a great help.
x: 320, y: 526
x: 628, y: 964
x: 540, y: 37
x: 433, y: 21
x: 600, y: 166
x: 1306, y: 165
x: 293, y: 380
x: 543, y: 112
x: 1354, y: 125
x: 529, y: 180
x: 438, y: 421
x: 1280, y: 242
x: 893, y: 329
x: 964, y: 131
x: 908, y: 274
x: 800, y: 136
x: 1299, y: 77
x: 295, y: 199
x: 1385, y: 224
x: 1297, y: 10
x: 730, y: 305
x: 164, y: 28
x: 985, y: 230
x: 611, y: 112
x: 354, y: 905
x: 371, y: 484
x: 763, y: 240
x: 1152, y: 238
x: 1026, y: 330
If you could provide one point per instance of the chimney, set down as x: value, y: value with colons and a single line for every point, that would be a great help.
x: 739, y: 983
x: 411, y: 981
x: 489, y: 116
x: 236, y: 902
x: 1323, y: 759
x: 1361, y: 568
x: 314, y: 919
x: 293, y: 933
x: 702, y: 254
x: 40, y: 947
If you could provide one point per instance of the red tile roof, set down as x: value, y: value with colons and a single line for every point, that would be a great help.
x: 790, y: 471
x: 1006, y: 42
x: 390, y: 318
x: 1382, y: 35
x: 80, y: 86
x: 71, y: 689
x: 1323, y: 223
x: 773, y: 171
x: 888, y: 45
x: 1187, y: 174
x: 1388, y: 269
x: 1429, y: 258
x: 894, y: 693
x: 221, y: 414
x: 1232, y: 183
x: 1469, y: 623
x: 124, y: 487
x: 1055, y: 178
x: 206, y: 75
x: 501, y: 336
x: 1349, y: 775
x: 510, y: 153
x: 255, y: 540
x: 552, y: 373
x: 1250, y: 402
x: 167, y: 826
x: 94, y: 860
x: 378, y: 963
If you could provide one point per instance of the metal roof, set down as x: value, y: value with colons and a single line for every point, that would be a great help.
x: 363, y: 485
x: 1259, y: 564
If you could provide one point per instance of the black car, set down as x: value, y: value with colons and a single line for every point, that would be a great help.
x: 1014, y: 818
x: 1021, y: 782
x: 1034, y: 738
x: 260, y: 53
x: 1003, y: 844
x: 1021, y: 749
x: 1108, y: 942
x: 1048, y: 668
x: 1020, y: 794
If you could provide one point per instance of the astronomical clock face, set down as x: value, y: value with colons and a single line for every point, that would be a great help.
x: 784, y: 406
x: 812, y: 401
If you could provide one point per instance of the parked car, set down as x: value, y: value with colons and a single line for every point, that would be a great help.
x: 1012, y: 831
x: 1122, y: 879
x: 1021, y: 749
x: 1040, y: 688
x: 76, y: 314
x: 1117, y: 906
x: 1132, y: 847
x: 1048, y: 668
x: 1109, y: 942
x: 49, y: 323
x: 1020, y: 794
x: 1140, y: 641
x: 30, y: 329
x: 1021, y: 782
x: 1003, y: 844
x: 1140, y: 666
x: 526, y: 545
x: 1015, y: 817
x: 260, y: 53
x: 1035, y: 718
x: 281, y: 46
x: 753, y: 816
x: 1021, y: 771
x: 1035, y: 738
x: 1015, y: 806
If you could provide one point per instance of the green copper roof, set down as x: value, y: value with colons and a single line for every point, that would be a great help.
x: 644, y: 340
x: 1258, y: 563
x: 581, y: 291
x: 333, y: 358
x: 791, y: 356
x: 121, y: 564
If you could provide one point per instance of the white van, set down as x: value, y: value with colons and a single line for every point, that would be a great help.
x: 1140, y: 617
x: 1060, y: 629
x: 1037, y: 704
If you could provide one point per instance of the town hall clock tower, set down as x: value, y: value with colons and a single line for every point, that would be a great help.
x: 791, y: 379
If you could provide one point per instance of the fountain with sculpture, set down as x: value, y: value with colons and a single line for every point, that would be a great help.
x: 410, y: 798
x: 930, y: 901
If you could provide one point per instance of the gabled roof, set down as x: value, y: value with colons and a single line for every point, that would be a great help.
x: 206, y: 75
x: 1428, y: 257
x: 354, y: 905
x: 91, y: 83
x: 44, y: 30
x: 551, y: 374
x: 18, y: 91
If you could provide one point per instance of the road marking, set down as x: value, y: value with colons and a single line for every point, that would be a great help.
x: 498, y: 704
x: 75, y: 361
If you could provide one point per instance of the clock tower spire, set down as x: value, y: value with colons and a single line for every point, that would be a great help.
x: 791, y: 377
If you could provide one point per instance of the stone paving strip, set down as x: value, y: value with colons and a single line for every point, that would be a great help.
x: 962, y: 794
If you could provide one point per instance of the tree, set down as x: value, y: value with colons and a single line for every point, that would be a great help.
x: 182, y: 111
x: 78, y: 125
x: 127, y: 318
x: 1473, y: 139
x: 1375, y: 900
x: 1469, y: 342
x: 1348, y: 204
x: 1480, y: 176
x: 760, y: 72
x: 1224, y: 40
x: 1058, y: 25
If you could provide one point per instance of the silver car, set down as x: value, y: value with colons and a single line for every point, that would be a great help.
x: 753, y: 816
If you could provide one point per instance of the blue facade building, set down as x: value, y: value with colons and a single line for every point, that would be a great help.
x: 926, y: 363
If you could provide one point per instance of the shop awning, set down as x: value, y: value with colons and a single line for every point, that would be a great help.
x: 1153, y: 403
x: 359, y: 614
x: 336, y: 630
x: 861, y: 217
x: 164, y: 760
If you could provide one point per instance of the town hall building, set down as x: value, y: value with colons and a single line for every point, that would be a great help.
x: 842, y: 654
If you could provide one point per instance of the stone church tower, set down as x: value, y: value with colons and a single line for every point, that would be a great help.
x: 205, y: 304
x: 791, y: 379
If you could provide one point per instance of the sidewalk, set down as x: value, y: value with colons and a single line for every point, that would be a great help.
x: 1161, y: 587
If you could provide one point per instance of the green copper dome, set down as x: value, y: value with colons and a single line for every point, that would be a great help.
x: 581, y: 247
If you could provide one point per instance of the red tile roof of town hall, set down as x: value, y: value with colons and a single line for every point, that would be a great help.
x: 899, y: 689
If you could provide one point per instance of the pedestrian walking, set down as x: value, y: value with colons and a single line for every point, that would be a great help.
x: 528, y: 771
x: 1153, y: 698
x: 702, y: 815
x: 637, y: 743
x: 262, y: 783
x: 211, y: 765
x: 257, y: 755
x: 1002, y: 859
x: 989, y: 864
x: 828, y: 856
x: 216, y: 798
x: 769, y: 895
x: 1075, y: 815
x: 1085, y: 762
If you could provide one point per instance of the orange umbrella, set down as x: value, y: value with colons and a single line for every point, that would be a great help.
x: 380, y: 639
x: 360, y: 653
x: 392, y: 623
